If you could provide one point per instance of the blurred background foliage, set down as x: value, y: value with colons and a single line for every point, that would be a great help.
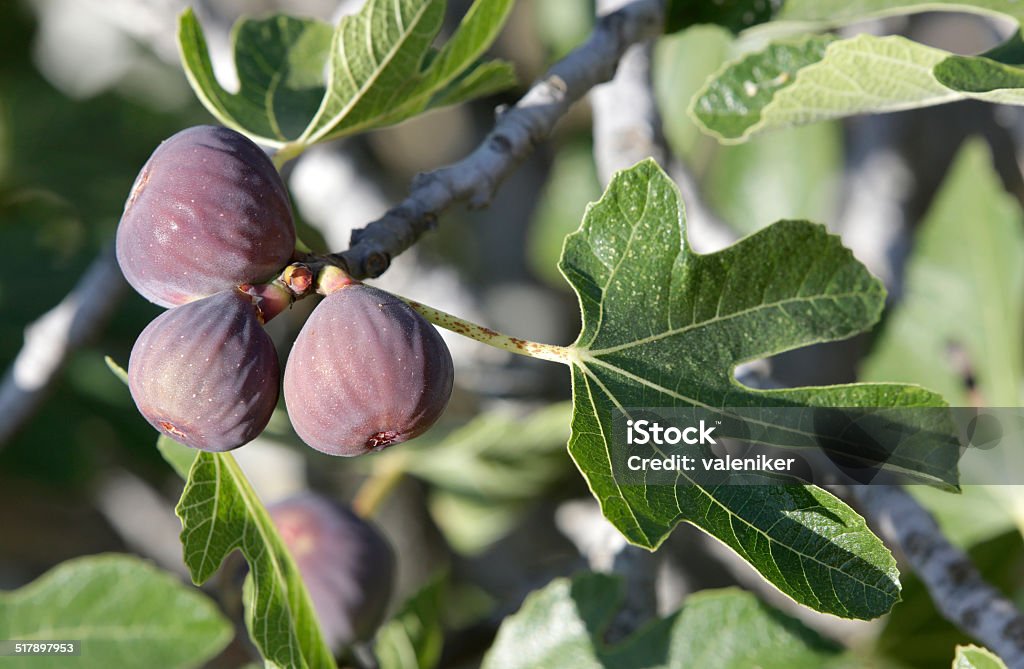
x: 89, y: 88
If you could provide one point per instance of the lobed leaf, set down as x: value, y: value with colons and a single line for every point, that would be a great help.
x: 123, y: 611
x: 665, y: 327
x: 219, y: 513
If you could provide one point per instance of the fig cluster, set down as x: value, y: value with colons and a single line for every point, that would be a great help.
x: 209, y: 218
x: 347, y: 565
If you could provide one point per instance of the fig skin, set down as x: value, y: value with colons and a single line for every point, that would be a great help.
x: 207, y: 212
x: 347, y: 565
x: 206, y: 374
x: 365, y: 372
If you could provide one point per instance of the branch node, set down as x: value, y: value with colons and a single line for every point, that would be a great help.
x: 376, y: 263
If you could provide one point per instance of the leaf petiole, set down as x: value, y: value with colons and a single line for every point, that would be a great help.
x: 485, y: 335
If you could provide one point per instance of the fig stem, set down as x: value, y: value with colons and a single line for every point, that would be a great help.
x: 377, y: 487
x: 485, y: 335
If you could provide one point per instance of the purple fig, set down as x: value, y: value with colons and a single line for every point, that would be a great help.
x: 365, y: 372
x: 207, y: 212
x: 206, y: 373
x: 347, y: 565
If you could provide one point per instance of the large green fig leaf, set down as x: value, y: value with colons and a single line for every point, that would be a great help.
x: 665, y: 327
x: 122, y: 611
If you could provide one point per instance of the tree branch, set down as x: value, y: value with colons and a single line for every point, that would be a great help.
x: 518, y: 129
x: 956, y: 586
x: 53, y: 337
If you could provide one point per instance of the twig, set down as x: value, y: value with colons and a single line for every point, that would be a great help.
x: 956, y: 586
x: 627, y: 124
x: 517, y: 130
x: 51, y: 339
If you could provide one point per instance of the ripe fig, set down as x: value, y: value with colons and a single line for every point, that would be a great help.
x: 206, y: 373
x: 365, y: 372
x: 207, y: 212
x: 347, y: 565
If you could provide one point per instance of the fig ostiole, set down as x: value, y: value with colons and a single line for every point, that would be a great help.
x: 207, y: 212
x: 365, y: 372
x: 206, y: 373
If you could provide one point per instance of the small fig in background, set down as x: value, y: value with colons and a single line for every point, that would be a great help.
x: 206, y: 373
x: 347, y: 565
x: 207, y: 212
x: 365, y: 372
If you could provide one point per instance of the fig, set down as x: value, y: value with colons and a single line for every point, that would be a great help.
x: 206, y: 373
x: 207, y: 212
x: 365, y: 372
x: 347, y: 565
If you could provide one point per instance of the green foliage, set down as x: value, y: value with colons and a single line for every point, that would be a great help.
x: 563, y: 625
x: 791, y: 173
x: 220, y: 512
x: 738, y: 15
x: 964, y: 287
x: 682, y: 63
x: 571, y: 184
x: 961, y: 313
x: 414, y: 636
x: 485, y: 474
x: 381, y: 69
x: 803, y: 80
x: 665, y: 327
x: 280, y: 62
x: 563, y: 25
x: 975, y: 657
x: 124, y: 611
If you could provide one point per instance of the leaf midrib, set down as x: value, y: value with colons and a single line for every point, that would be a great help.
x: 367, y: 85
x: 593, y: 353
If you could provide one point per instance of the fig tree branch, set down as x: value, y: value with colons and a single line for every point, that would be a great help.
x: 53, y: 337
x: 956, y: 586
x: 518, y: 129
